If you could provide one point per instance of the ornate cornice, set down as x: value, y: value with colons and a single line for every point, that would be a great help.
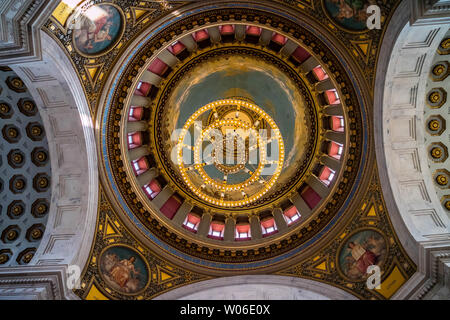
x: 429, y: 12
x: 20, y: 24
x: 36, y: 282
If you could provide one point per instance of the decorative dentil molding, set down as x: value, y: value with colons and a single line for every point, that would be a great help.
x: 20, y: 24
x: 34, y: 283
x: 408, y: 48
x: 429, y: 12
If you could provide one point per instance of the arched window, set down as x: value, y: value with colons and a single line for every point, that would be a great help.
x: 158, y: 67
x: 179, y: 50
x: 279, y: 39
x: 226, y: 29
x: 337, y: 123
x: 277, y: 42
x: 201, y: 35
x: 152, y: 189
x: 268, y: 226
x: 243, y: 232
x: 253, y: 30
x: 143, y: 89
x: 176, y: 48
x: 335, y: 150
x: 135, y: 114
x: 291, y: 215
x: 320, y: 73
x: 332, y: 97
x: 326, y: 175
x: 252, y: 34
x: 140, y: 165
x: 134, y: 140
x: 216, y: 230
x: 192, y: 222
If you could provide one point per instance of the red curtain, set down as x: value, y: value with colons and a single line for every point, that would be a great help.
x: 158, y: 67
x: 136, y: 113
x: 320, y: 73
x: 325, y: 173
x: 300, y: 54
x: 254, y: 31
x: 334, y: 150
x: 201, y: 35
x: 193, y: 218
x: 278, y: 38
x: 267, y: 223
x: 291, y: 211
x: 136, y: 140
x: 311, y: 197
x: 226, y: 29
x: 177, y: 48
x: 170, y: 207
x: 331, y: 97
x: 144, y: 89
x: 142, y: 166
x: 243, y: 228
x: 217, y: 226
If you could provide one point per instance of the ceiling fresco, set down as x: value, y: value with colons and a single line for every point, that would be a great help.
x: 301, y: 70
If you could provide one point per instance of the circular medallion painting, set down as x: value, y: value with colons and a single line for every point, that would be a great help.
x: 361, y: 250
x: 97, y: 29
x: 349, y: 14
x: 124, y: 269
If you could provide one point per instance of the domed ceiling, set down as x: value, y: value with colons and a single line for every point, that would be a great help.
x: 234, y: 138
x: 233, y: 132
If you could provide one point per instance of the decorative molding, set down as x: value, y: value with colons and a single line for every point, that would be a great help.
x: 425, y: 43
x: 418, y: 217
x: 60, y: 98
x: 264, y: 287
x: 21, y: 21
x: 429, y: 12
x: 415, y: 64
x: 35, y: 283
x: 431, y: 279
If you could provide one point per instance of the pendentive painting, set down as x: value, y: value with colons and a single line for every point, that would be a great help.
x: 124, y: 269
x: 349, y: 14
x: 361, y: 250
x: 98, y: 29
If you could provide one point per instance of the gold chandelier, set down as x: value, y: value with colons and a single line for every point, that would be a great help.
x: 241, y: 139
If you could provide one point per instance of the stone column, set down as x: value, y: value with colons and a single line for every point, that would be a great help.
x: 230, y: 225
x: 255, y: 228
x: 279, y: 220
x: 205, y: 223
x: 182, y: 212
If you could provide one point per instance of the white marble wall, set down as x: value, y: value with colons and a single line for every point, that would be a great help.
x: 420, y: 221
x: 60, y: 98
x: 257, y: 287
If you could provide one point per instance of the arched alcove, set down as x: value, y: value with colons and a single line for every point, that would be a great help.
x: 60, y: 98
x: 422, y: 224
x: 257, y: 287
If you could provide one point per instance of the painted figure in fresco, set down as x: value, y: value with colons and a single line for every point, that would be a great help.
x: 94, y: 29
x: 363, y: 250
x: 122, y: 273
x: 103, y: 34
x: 363, y: 257
x: 352, y: 9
